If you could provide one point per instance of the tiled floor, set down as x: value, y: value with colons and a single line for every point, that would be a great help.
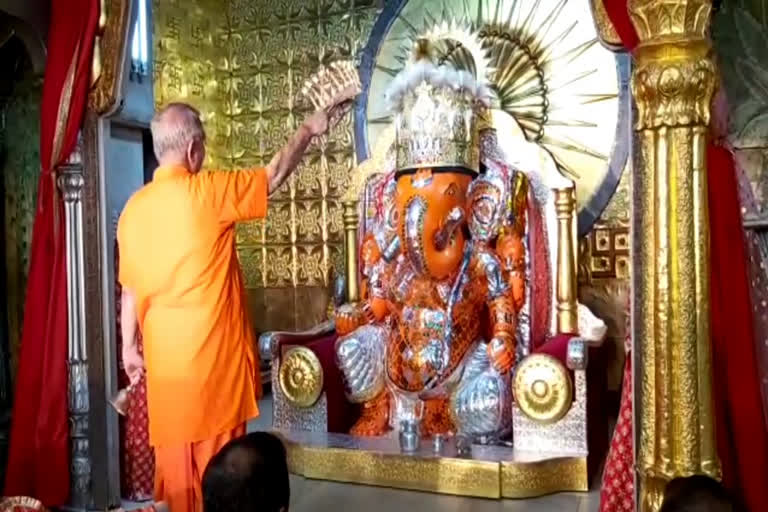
x: 319, y: 496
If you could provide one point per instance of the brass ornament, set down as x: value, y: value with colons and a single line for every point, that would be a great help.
x: 322, y: 88
x: 301, y: 377
x: 543, y: 389
x: 109, y: 56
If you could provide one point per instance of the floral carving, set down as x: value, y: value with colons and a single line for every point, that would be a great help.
x: 675, y: 93
x: 672, y: 19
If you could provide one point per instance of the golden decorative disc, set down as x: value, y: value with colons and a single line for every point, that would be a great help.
x: 301, y: 377
x: 543, y: 389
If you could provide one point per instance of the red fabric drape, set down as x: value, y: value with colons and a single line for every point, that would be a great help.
x: 741, y: 435
x: 38, y: 459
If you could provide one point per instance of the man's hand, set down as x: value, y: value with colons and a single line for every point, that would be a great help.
x: 317, y: 123
x: 323, y: 120
x: 286, y: 160
x: 133, y: 363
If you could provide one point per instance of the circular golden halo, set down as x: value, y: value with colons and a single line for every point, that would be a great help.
x: 547, y: 69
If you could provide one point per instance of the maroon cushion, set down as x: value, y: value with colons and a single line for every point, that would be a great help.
x: 341, y: 413
x: 556, y: 346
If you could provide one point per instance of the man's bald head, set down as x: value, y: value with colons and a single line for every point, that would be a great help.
x: 175, y: 130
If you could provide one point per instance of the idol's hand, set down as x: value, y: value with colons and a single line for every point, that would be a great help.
x: 349, y: 317
x: 133, y: 363
x: 501, y: 355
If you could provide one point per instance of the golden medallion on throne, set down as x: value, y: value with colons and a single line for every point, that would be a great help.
x: 301, y: 377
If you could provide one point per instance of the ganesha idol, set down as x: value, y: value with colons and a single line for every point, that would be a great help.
x: 466, y: 324
x: 439, y: 311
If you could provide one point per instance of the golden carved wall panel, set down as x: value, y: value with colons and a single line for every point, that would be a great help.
x: 242, y: 63
x: 190, y: 49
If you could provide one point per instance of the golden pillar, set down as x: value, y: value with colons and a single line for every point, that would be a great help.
x: 567, y: 307
x: 351, y: 221
x: 672, y: 83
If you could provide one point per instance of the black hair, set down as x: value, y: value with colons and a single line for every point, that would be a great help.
x: 697, y: 493
x: 250, y: 473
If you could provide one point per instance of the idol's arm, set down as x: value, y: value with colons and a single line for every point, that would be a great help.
x: 501, y: 348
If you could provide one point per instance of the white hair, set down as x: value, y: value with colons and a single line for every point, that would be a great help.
x: 174, y: 127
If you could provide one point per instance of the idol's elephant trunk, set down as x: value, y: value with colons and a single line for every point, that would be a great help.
x: 433, y: 245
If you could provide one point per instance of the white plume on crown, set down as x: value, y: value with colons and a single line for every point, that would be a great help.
x: 439, y: 76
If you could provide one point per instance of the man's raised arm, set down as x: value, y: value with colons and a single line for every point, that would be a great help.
x: 286, y: 160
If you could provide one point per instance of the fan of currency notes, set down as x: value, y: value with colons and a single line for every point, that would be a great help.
x: 322, y: 88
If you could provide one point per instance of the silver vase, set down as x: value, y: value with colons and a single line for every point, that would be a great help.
x: 410, y: 438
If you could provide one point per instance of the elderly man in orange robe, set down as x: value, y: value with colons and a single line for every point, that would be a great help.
x: 182, y: 286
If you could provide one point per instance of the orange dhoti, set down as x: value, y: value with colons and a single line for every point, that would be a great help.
x: 179, y: 470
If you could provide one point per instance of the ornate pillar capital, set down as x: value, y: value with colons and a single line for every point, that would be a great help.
x: 670, y: 20
x: 673, y: 91
x: 70, y: 181
x: 69, y: 177
x: 674, y: 78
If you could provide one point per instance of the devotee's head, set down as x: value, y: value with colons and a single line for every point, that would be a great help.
x: 178, y: 136
x: 697, y: 494
x: 249, y: 473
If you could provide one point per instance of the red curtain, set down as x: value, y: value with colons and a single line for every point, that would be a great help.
x: 38, y: 460
x: 741, y: 434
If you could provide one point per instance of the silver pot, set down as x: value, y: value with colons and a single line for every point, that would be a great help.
x: 410, y: 437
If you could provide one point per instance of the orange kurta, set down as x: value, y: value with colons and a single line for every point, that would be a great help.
x: 177, y: 250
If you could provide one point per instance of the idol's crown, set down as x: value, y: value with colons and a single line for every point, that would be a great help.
x: 436, y: 111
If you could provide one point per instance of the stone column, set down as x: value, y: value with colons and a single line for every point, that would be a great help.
x: 70, y: 182
x: 672, y: 83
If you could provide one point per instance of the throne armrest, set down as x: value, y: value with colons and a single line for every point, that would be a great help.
x: 571, y: 350
x: 271, y: 341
